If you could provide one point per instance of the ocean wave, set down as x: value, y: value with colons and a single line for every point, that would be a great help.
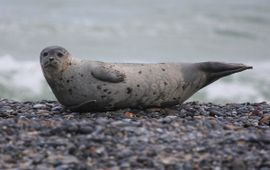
x: 25, y: 74
x: 249, y: 86
x: 23, y: 80
x: 20, y: 79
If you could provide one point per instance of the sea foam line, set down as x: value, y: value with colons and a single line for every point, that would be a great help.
x: 20, y: 74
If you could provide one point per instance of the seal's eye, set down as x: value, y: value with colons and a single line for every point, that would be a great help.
x: 59, y: 54
x: 45, y: 54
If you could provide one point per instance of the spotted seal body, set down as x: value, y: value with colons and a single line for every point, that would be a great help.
x: 83, y: 85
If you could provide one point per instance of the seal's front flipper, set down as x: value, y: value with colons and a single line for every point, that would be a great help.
x: 216, y: 70
x: 83, y: 107
x: 109, y: 74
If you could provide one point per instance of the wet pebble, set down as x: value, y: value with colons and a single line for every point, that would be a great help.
x: 43, y: 135
x: 39, y: 106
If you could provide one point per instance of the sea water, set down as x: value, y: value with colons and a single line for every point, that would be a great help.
x: 141, y: 31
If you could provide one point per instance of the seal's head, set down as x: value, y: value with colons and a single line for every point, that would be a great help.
x: 54, y: 58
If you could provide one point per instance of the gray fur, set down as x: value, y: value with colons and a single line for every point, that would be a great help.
x: 84, y: 85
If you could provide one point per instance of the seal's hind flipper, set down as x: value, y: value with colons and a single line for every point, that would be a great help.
x: 216, y: 70
x: 109, y: 74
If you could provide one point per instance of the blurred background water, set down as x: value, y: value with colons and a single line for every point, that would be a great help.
x: 138, y: 31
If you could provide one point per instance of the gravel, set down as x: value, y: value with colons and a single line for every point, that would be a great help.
x: 43, y: 135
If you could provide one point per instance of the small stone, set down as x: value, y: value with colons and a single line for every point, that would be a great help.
x: 230, y: 127
x: 58, y: 159
x: 85, y: 130
x: 56, y: 109
x: 23, y: 118
x: 256, y: 113
x: 238, y: 164
x: 214, y: 113
x: 39, y: 106
x: 129, y: 114
x: 167, y: 119
x: 43, y: 112
x: 265, y: 120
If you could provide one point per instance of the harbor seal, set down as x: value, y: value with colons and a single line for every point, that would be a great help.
x: 85, y: 85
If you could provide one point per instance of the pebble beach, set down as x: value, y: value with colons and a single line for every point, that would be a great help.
x: 43, y: 135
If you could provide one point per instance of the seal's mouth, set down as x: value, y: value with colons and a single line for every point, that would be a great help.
x: 51, y: 64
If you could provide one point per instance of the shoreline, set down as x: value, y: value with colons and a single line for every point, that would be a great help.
x: 41, y: 135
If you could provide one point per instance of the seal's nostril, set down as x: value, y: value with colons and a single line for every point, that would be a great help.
x: 51, y: 58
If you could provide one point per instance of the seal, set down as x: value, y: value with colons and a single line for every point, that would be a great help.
x: 85, y: 85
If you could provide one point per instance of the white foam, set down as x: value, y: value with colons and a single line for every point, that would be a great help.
x: 20, y: 74
x: 233, y: 91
